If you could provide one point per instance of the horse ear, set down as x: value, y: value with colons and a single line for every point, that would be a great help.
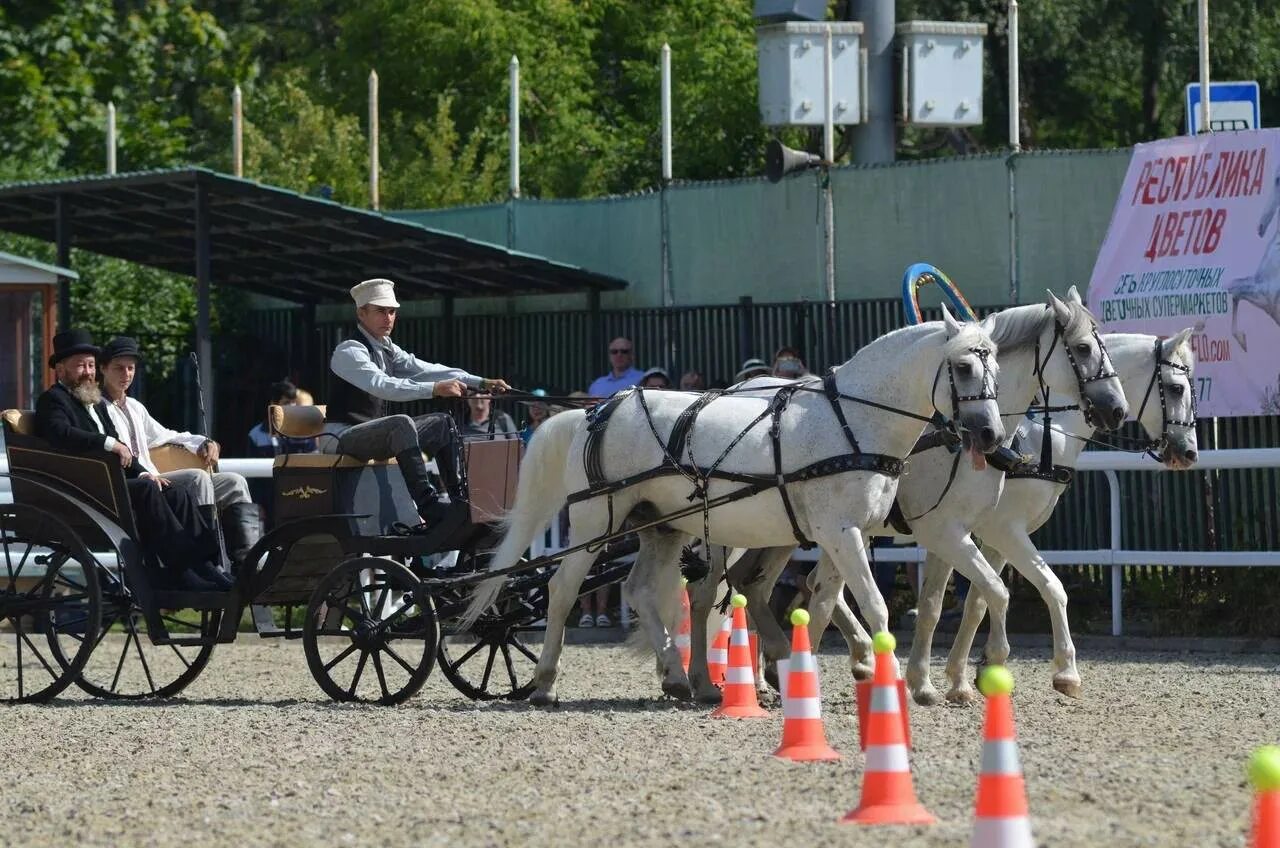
x: 988, y: 324
x: 1073, y: 296
x: 953, y: 326
x: 1169, y: 345
x: 1060, y: 310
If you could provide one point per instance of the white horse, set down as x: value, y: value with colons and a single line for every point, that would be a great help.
x: 1262, y: 288
x: 1166, y: 413
x: 1055, y: 344
x: 900, y: 378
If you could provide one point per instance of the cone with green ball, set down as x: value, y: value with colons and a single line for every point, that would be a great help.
x: 888, y: 793
x: 1264, y: 774
x: 804, y: 738
x: 739, y: 682
x: 1000, y: 812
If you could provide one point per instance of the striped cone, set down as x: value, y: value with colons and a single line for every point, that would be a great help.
x: 862, y: 694
x: 803, y: 737
x: 888, y: 794
x: 1000, y: 816
x: 684, y: 631
x: 1264, y: 773
x: 718, y: 655
x: 739, y: 683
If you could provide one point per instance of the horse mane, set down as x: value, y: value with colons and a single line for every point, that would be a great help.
x: 971, y: 335
x: 1020, y: 326
x: 1185, y: 355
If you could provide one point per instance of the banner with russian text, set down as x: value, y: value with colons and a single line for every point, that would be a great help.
x: 1194, y: 241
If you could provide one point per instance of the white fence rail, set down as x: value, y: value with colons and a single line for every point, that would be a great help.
x: 1115, y: 557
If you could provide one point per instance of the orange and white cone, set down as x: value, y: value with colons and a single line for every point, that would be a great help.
x: 684, y: 631
x: 1264, y: 773
x: 888, y: 794
x: 1000, y: 818
x: 739, y: 683
x: 718, y: 655
x: 804, y: 738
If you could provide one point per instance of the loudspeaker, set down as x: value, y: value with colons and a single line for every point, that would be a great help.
x: 780, y: 160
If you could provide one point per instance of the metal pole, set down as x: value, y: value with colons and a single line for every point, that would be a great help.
x: 62, y: 236
x: 829, y: 157
x: 875, y: 140
x: 829, y: 234
x: 666, y: 113
x: 1011, y: 169
x: 237, y: 132
x: 204, y: 280
x: 111, y: 138
x: 513, y: 130
x: 1113, y: 488
x: 1204, y: 66
x: 1015, y: 122
x: 373, y: 139
x: 828, y: 102
x: 664, y: 212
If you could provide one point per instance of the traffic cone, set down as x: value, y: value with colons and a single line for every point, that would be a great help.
x: 739, y: 683
x: 684, y: 631
x: 888, y: 794
x: 718, y: 656
x: 1264, y: 773
x: 803, y: 737
x: 862, y: 694
x: 1000, y: 812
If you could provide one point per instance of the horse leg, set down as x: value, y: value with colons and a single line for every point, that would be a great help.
x: 754, y: 575
x: 848, y: 551
x: 562, y: 594
x: 929, y: 609
x: 975, y: 609
x: 650, y: 588
x: 826, y: 589
x: 963, y: 555
x: 702, y: 598
x: 1030, y: 564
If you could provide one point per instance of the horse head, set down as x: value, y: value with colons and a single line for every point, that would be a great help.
x: 1168, y: 412
x: 1272, y: 206
x: 969, y: 392
x: 1102, y: 398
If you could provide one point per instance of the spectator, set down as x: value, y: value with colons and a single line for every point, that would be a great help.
x: 655, y: 378
x: 788, y: 364
x: 263, y: 443
x: 538, y: 411
x: 305, y: 398
x: 692, y: 381
x: 622, y: 374
x: 752, y: 368
x: 480, y: 414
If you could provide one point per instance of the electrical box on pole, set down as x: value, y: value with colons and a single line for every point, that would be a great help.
x: 792, y: 73
x: 941, y: 73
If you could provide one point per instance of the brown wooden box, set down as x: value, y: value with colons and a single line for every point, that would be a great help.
x: 492, y: 466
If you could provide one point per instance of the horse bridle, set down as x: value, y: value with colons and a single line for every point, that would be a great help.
x: 1106, y: 371
x: 988, y: 389
x: 1153, y: 446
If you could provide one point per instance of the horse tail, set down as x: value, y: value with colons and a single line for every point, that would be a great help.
x: 540, y: 493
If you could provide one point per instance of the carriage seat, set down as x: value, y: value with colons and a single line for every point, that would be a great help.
x: 307, y: 422
x: 165, y: 457
x: 20, y: 421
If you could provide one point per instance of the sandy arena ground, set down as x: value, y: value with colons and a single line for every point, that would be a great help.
x: 252, y: 754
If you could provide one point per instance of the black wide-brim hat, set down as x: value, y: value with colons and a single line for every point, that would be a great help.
x: 69, y: 343
x: 119, y: 346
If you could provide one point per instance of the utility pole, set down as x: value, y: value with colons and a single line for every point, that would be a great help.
x: 875, y: 141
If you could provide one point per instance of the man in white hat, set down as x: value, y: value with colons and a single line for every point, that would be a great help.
x: 372, y: 370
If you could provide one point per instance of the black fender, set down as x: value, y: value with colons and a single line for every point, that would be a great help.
x: 266, y: 557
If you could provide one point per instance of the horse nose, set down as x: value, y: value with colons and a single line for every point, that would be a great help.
x: 988, y: 435
x: 1190, y: 454
x: 1117, y: 416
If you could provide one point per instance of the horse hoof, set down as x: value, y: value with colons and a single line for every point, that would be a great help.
x: 712, y: 697
x: 863, y: 672
x: 540, y: 698
x: 1068, y: 685
x: 926, y: 697
x: 678, y: 690
x: 962, y: 697
x: 771, y: 676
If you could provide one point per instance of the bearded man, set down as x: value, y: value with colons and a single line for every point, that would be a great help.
x: 72, y: 416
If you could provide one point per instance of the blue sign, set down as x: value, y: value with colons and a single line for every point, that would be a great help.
x: 1232, y: 106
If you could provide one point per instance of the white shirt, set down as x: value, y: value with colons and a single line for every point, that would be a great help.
x: 400, y: 376
x: 141, y: 432
x: 108, y: 444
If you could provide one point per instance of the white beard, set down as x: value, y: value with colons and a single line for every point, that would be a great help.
x: 87, y: 393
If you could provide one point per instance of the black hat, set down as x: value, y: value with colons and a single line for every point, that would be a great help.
x: 69, y: 343
x: 119, y: 346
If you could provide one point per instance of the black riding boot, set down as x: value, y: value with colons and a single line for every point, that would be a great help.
x: 431, y: 509
x: 241, y: 530
x: 213, y: 567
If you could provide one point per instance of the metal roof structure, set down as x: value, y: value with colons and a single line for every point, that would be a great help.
x: 271, y: 240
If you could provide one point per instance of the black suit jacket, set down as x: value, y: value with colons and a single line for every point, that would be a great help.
x: 64, y: 423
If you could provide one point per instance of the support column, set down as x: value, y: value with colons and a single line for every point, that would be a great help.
x: 62, y: 236
x: 595, y: 331
x: 448, y: 353
x: 875, y: 141
x: 204, y: 280
x: 746, y: 329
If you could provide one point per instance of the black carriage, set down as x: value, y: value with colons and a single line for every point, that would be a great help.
x: 376, y: 609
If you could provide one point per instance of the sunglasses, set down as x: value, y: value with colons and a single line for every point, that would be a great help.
x: 620, y: 350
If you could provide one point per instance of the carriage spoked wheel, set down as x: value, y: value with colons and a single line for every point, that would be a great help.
x: 493, y: 659
x: 49, y: 604
x: 127, y: 666
x: 370, y: 633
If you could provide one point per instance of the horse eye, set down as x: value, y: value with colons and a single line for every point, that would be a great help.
x: 1176, y: 389
x: 1083, y: 349
x: 964, y: 369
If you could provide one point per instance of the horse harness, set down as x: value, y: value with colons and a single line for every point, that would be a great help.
x: 682, y: 437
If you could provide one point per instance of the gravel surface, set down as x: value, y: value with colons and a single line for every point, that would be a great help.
x: 253, y: 755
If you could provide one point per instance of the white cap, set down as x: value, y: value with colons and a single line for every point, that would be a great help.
x: 376, y: 292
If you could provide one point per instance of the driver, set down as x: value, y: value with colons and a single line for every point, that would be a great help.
x: 372, y: 370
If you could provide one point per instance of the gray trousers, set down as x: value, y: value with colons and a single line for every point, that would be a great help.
x: 435, y: 434
x: 222, y: 487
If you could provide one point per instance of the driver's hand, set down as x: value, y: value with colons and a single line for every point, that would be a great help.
x: 496, y: 385
x: 122, y: 450
x: 161, y: 482
x: 210, y: 450
x: 449, y: 388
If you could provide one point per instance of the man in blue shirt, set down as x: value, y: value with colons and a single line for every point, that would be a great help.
x: 622, y: 374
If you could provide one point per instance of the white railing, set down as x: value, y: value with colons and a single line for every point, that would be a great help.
x: 1106, y: 462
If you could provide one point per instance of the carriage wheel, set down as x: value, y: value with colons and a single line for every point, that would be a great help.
x: 126, y: 665
x: 492, y: 661
x: 370, y: 633
x: 49, y: 600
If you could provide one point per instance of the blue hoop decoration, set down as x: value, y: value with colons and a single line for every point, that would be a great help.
x: 922, y: 274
